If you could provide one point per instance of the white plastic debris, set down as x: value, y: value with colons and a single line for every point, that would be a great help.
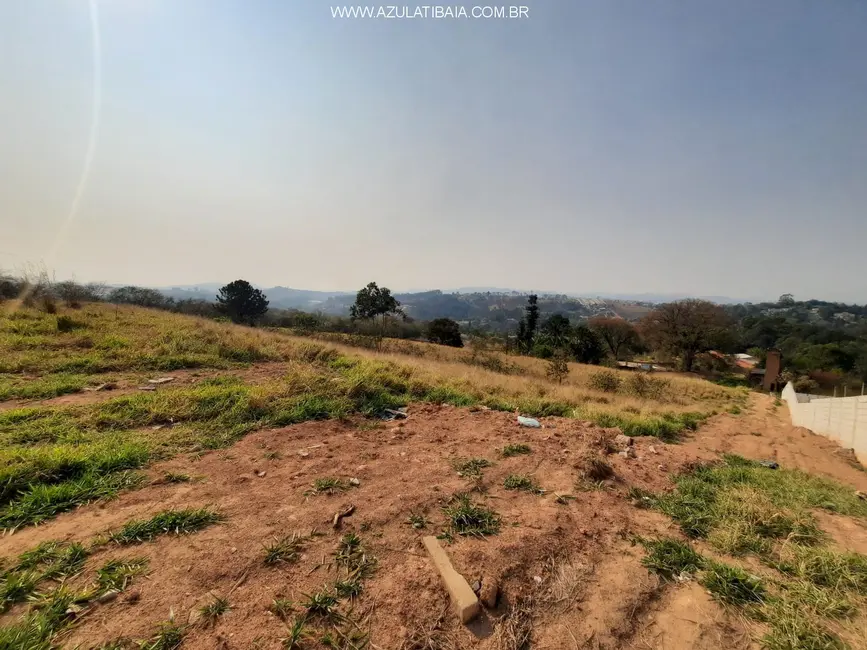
x: 528, y: 422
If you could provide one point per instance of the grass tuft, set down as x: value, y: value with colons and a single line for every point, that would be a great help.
x: 167, y: 522
x: 515, y: 450
x: 671, y: 558
x: 116, y: 575
x: 322, y: 604
x: 470, y: 468
x: 284, y: 549
x: 522, y: 482
x: 169, y: 636
x: 296, y: 633
x: 470, y: 519
x: 329, y: 485
x: 211, y: 612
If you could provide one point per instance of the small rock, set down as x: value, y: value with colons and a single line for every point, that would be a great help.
x: 769, y: 464
x: 147, y: 387
x: 661, y: 467
x: 303, y: 454
x: 107, y: 597
x: 396, y: 430
x: 234, y: 549
x: 489, y: 592
x: 161, y: 380
x: 622, y: 440
x: 537, y: 579
x: 476, y: 587
x: 403, y: 453
x: 861, y: 495
x: 195, y: 615
x: 629, y: 452
x: 261, y: 474
x: 651, y: 449
x: 355, y: 482
x: 133, y: 596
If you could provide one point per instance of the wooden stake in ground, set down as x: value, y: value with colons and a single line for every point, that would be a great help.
x: 463, y: 598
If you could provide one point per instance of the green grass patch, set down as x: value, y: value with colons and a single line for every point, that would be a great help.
x: 471, y: 519
x: 168, y: 522
x: 732, y: 585
x: 470, y: 468
x: 328, y: 485
x: 14, y: 387
x: 748, y: 506
x: 43, y: 501
x: 515, y: 450
x: 116, y: 575
x: 671, y: 558
x: 522, y: 482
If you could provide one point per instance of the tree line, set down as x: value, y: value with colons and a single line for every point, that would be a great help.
x: 811, y: 335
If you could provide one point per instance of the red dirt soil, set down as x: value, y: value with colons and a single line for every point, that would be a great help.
x: 573, y: 562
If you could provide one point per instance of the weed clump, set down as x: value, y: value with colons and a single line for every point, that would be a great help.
x: 522, y: 482
x: 515, y: 450
x: 470, y: 519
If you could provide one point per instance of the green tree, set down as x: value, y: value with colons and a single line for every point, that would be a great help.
x: 556, y: 331
x: 445, y: 331
x: 586, y: 346
x: 374, y: 303
x: 786, y: 300
x: 527, y: 325
x: 242, y: 302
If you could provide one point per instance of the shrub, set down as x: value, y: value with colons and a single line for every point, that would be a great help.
x: 645, y: 386
x: 558, y: 367
x: 444, y: 331
x: 805, y: 384
x: 67, y: 324
x: 605, y: 380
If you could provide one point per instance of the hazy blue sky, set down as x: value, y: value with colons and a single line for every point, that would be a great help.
x: 708, y: 147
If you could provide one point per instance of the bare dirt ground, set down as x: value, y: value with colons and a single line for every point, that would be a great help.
x: 572, y: 567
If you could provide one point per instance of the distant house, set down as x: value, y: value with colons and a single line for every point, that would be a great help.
x: 746, y: 361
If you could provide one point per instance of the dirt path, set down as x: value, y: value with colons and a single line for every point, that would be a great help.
x: 574, y: 561
x: 765, y: 432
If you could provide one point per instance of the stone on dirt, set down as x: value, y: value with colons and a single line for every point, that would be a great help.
x: 489, y: 592
x: 464, y: 600
x: 622, y: 440
x: 629, y: 452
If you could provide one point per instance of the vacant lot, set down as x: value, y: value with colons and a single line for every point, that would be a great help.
x: 200, y: 514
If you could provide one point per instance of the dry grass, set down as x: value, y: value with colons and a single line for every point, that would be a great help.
x: 55, y: 458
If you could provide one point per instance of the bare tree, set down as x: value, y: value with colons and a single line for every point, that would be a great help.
x: 618, y: 334
x: 685, y: 328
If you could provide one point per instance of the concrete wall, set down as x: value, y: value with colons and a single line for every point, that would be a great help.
x: 842, y: 419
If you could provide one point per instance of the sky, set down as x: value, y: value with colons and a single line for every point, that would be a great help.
x: 629, y: 146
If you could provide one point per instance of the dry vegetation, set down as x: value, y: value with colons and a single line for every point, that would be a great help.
x: 498, y: 493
